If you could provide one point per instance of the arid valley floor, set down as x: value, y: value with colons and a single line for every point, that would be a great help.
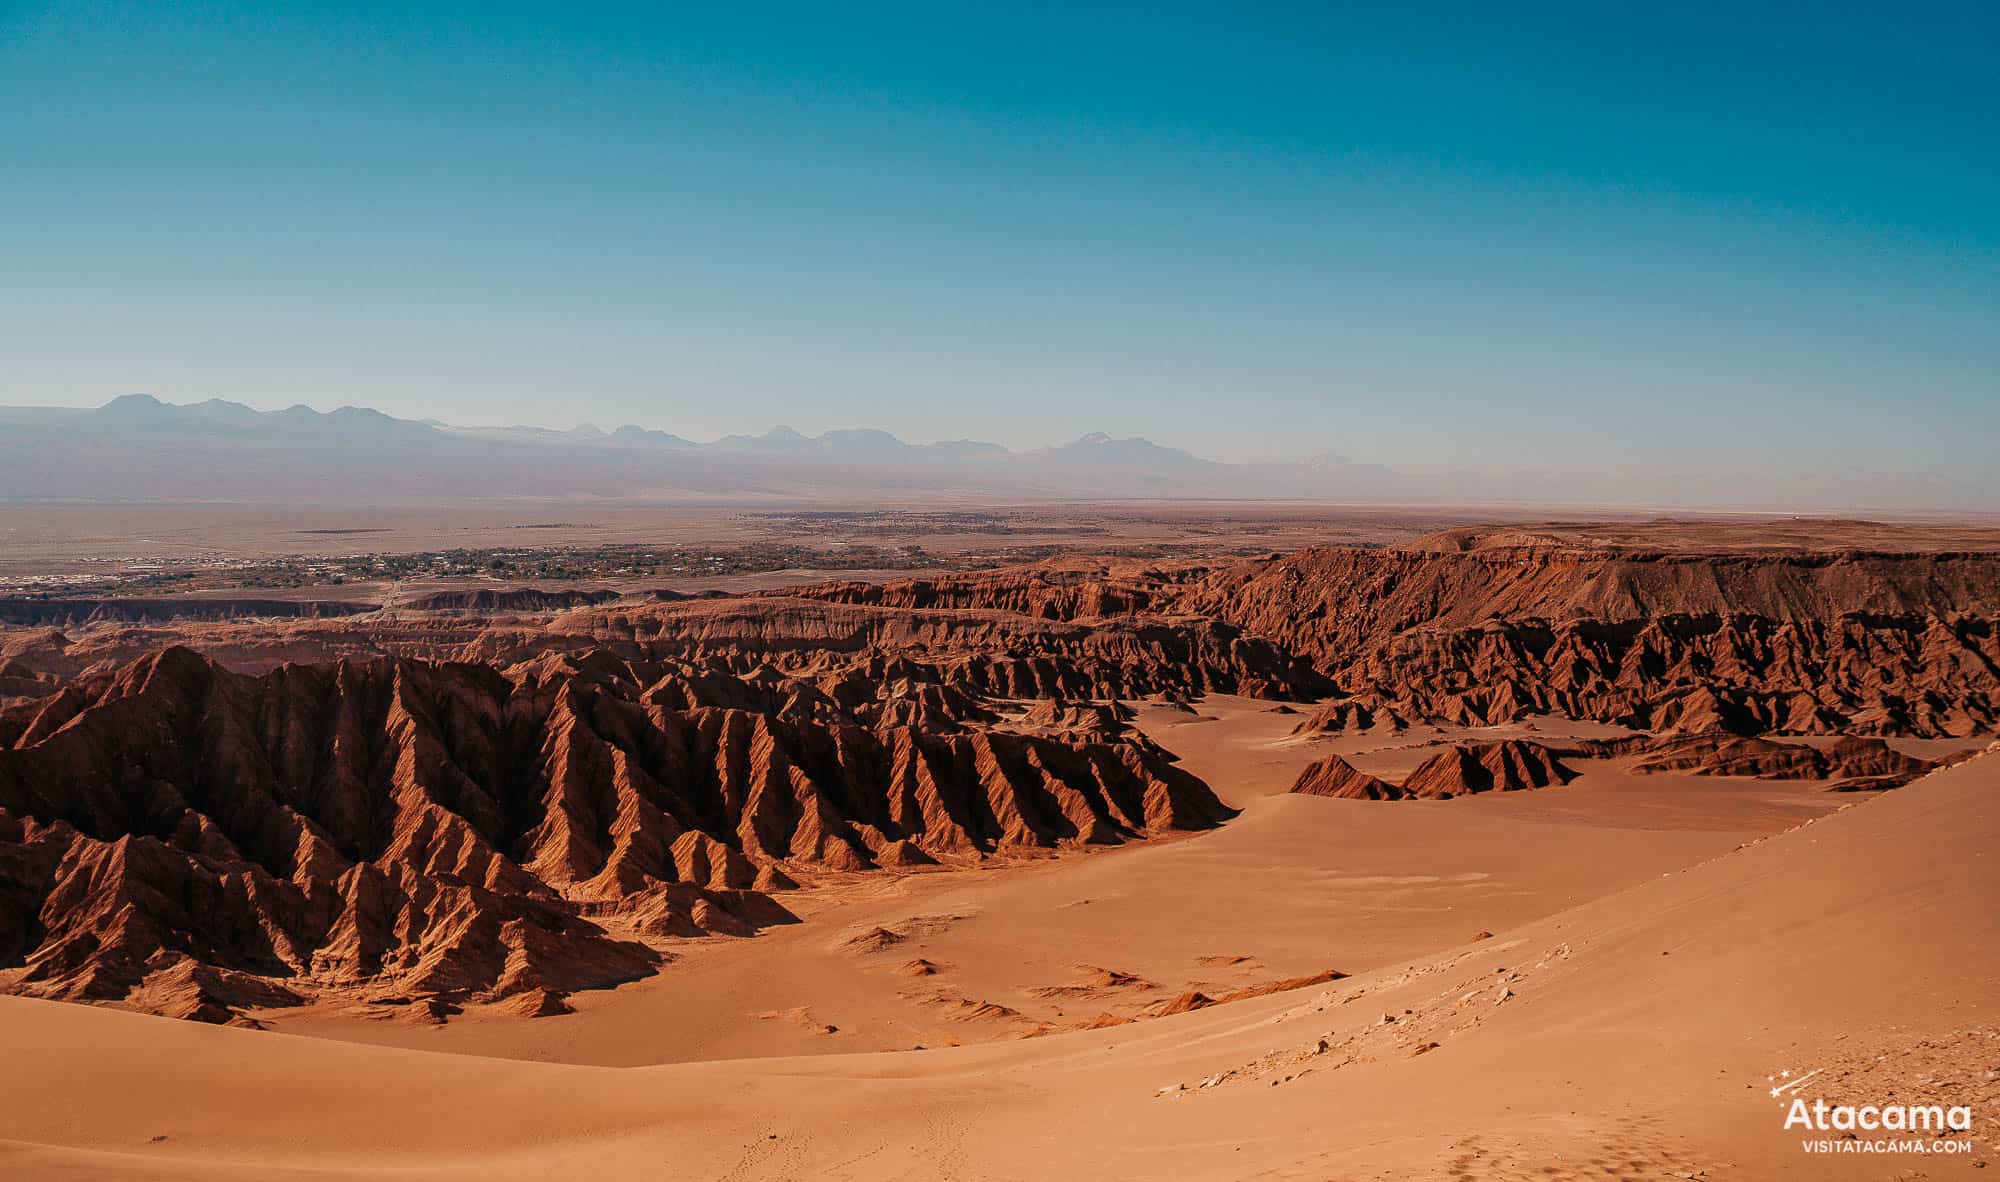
x: 1115, y: 842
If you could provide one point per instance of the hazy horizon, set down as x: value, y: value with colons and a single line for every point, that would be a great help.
x: 138, y: 448
x: 1696, y: 241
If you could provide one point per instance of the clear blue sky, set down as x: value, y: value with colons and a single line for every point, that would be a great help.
x: 1480, y: 236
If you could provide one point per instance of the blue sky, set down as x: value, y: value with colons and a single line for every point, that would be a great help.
x: 1657, y: 237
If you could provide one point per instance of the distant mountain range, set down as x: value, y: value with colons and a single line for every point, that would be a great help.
x: 137, y: 448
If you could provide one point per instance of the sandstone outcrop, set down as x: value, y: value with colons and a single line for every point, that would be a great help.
x: 987, y: 652
x: 1046, y: 593
x: 20, y: 684
x: 194, y: 840
x: 1463, y: 629
x: 1804, y: 643
x: 1855, y: 761
x: 1511, y: 765
x: 1346, y: 714
x: 37, y: 611
x: 1335, y: 777
x: 512, y: 599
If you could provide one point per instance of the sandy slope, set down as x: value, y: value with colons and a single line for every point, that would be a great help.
x: 1629, y: 1036
x: 1292, y: 887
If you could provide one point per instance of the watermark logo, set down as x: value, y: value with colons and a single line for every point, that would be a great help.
x: 1926, y: 1126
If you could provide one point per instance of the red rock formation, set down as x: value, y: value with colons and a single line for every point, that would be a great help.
x: 1334, y: 776
x: 1342, y: 715
x: 988, y: 652
x: 1098, y: 719
x: 1870, y: 762
x: 1802, y: 643
x: 455, y: 833
x: 20, y: 687
x: 1181, y: 1004
x: 979, y: 651
x: 1462, y: 628
x: 1510, y: 765
x: 1047, y: 593
x: 38, y: 611
x: 512, y: 599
